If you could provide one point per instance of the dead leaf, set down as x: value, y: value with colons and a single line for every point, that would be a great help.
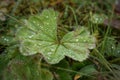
x: 117, y: 6
x: 77, y: 76
x: 2, y: 16
x: 115, y: 23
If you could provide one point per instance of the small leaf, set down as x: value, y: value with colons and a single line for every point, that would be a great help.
x: 111, y: 48
x: 46, y: 74
x: 98, y: 18
x: 6, y: 40
x: 9, y: 53
x: 63, y: 74
x: 88, y: 70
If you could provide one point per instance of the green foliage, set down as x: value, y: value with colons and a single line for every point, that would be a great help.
x: 46, y: 74
x: 63, y: 74
x: 6, y: 39
x: 39, y: 35
x: 88, y: 70
x: 24, y: 68
x: 42, y: 36
x: 6, y: 56
x: 98, y: 18
x: 116, y: 70
x: 111, y: 48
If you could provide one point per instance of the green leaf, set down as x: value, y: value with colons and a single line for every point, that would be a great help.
x: 88, y: 70
x: 46, y: 74
x: 98, y: 18
x: 77, y: 43
x: 7, y: 37
x: 63, y: 74
x: 110, y: 47
x: 39, y: 35
x: 6, y: 56
x: 6, y: 40
x: 20, y: 69
x: 117, y: 50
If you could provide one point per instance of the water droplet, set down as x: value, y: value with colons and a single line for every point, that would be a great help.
x: 41, y: 27
x: 5, y: 39
x: 25, y: 21
x: 34, y: 22
x: 92, y: 47
x: 112, y: 47
x: 38, y: 24
x: 118, y: 51
x: 77, y: 40
x: 96, y: 19
x: 85, y: 40
x: 54, y: 17
x: 40, y: 44
x: 47, y: 23
x: 52, y: 49
x: 49, y: 52
x: 46, y: 16
x: 81, y: 38
x: 30, y: 36
x: 48, y: 58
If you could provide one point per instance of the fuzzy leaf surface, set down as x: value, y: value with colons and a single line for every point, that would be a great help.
x: 39, y: 35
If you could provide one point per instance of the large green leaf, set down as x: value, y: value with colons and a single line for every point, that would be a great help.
x: 39, y: 35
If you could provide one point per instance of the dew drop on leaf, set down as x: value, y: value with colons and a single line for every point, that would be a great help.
x: 5, y: 39
x: 38, y: 24
x: 112, y: 47
x: 77, y: 40
x: 92, y: 47
x: 118, y: 51
x: 46, y: 16
x: 49, y: 52
x: 34, y: 22
x: 30, y: 36
x: 47, y: 23
x: 54, y: 17
x: 52, y: 49
x: 85, y: 41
